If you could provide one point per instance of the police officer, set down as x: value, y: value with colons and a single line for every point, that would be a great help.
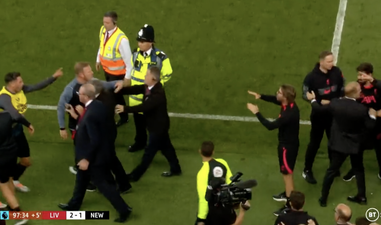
x: 144, y: 57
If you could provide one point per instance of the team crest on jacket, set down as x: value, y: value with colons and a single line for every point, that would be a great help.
x: 218, y: 172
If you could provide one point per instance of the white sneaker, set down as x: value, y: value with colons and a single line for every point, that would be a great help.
x: 2, y: 205
x: 379, y: 176
x: 72, y: 170
x: 20, y: 187
x: 21, y: 222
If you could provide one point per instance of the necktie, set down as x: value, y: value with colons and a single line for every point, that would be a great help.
x: 79, y: 120
x: 107, y: 36
x: 147, y: 91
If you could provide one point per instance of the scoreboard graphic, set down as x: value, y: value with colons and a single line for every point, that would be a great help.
x: 55, y: 215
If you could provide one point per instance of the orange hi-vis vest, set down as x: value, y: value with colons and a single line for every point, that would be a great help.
x: 109, y: 55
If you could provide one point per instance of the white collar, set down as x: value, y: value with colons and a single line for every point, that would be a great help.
x: 88, y: 103
x: 148, y: 52
x: 350, y: 98
x: 96, y: 96
x: 150, y: 87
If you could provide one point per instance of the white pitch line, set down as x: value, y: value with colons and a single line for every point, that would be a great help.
x: 335, y: 50
x: 187, y: 115
x: 336, y: 41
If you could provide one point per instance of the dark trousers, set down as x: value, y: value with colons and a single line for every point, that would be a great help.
x: 103, y: 179
x: 140, y: 130
x: 119, y: 97
x: 120, y: 174
x: 377, y: 148
x: 319, y: 124
x: 337, y: 159
x: 157, y: 142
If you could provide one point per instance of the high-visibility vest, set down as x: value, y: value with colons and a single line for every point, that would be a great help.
x: 109, y: 55
x: 140, y: 66
x: 18, y: 100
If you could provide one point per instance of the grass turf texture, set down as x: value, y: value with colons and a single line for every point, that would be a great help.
x: 219, y: 50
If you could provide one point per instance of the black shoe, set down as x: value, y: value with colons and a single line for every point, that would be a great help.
x: 309, y: 176
x: 91, y: 187
x: 323, y: 202
x: 123, y: 217
x: 349, y: 176
x: 121, y: 122
x: 135, y: 148
x: 282, y: 211
x: 66, y: 207
x: 170, y: 174
x: 124, y: 190
x: 357, y: 199
x: 132, y: 177
x: 280, y: 197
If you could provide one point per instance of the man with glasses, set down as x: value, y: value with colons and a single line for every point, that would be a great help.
x: 143, y: 58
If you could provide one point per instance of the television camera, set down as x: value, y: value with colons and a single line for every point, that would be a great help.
x: 231, y: 194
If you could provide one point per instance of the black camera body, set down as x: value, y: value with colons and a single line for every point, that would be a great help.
x: 229, y: 194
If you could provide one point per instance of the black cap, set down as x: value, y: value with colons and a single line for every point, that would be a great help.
x: 146, y: 33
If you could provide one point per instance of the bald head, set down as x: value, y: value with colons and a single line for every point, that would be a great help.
x: 344, y: 212
x: 88, y: 90
x: 352, y: 90
x: 97, y: 85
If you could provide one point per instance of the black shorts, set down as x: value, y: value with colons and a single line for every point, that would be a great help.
x: 22, y: 145
x: 287, y: 158
x: 7, y: 170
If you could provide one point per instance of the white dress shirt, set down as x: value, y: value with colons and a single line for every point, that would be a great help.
x: 147, y: 53
x: 88, y: 103
x: 125, y: 52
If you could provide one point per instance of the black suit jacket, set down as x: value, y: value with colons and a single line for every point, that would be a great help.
x: 108, y: 99
x: 154, y: 107
x: 350, y: 123
x: 92, y: 140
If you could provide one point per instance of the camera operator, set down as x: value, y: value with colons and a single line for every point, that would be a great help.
x: 211, y: 168
x: 224, y: 199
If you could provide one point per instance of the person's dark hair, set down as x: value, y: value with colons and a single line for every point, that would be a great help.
x: 207, y: 148
x: 365, y: 67
x: 112, y: 15
x: 324, y: 54
x: 297, y: 200
x: 12, y: 76
x: 362, y: 221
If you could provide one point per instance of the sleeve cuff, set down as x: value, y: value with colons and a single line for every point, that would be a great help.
x: 313, y: 100
x: 372, y: 117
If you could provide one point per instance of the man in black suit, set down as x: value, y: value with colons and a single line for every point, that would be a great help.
x: 93, y: 155
x: 109, y: 101
x: 351, y: 120
x: 154, y: 107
